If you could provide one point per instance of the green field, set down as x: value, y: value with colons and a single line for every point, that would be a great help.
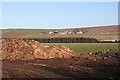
x: 87, y: 47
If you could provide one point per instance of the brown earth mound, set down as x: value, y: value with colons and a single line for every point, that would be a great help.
x: 19, y: 49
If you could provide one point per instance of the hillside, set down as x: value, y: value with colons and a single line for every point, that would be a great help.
x: 101, y: 33
x: 100, y: 29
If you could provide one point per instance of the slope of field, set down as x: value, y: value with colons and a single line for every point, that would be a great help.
x: 101, y: 33
x: 87, y: 47
x: 100, y: 29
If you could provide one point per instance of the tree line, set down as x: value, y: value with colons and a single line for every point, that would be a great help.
x: 67, y: 40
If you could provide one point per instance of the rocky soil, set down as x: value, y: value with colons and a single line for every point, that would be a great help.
x: 99, y: 66
x: 28, y: 59
x: 19, y: 49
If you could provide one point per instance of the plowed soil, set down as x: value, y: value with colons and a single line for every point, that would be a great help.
x: 98, y: 65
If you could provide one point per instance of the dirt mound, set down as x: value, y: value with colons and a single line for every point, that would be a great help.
x: 19, y: 49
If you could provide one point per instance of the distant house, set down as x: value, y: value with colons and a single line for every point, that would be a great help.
x: 65, y: 32
x: 51, y: 33
x: 77, y: 31
x: 60, y: 32
x: 56, y: 32
x: 80, y: 32
x: 69, y: 32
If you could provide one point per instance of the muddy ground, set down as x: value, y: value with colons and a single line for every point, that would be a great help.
x: 104, y: 65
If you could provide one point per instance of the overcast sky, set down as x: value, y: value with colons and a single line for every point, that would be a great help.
x: 58, y: 14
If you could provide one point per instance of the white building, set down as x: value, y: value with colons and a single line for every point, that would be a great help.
x: 80, y: 32
x: 51, y: 33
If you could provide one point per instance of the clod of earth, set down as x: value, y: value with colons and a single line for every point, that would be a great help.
x: 19, y: 49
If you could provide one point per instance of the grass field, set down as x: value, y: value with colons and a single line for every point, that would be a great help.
x: 87, y: 47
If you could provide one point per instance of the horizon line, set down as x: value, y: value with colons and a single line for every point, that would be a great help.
x: 62, y: 28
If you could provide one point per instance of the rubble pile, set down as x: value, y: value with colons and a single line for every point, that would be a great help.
x: 19, y: 49
x: 108, y: 53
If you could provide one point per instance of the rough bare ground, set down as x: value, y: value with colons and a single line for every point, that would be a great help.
x: 98, y: 65
x: 25, y: 59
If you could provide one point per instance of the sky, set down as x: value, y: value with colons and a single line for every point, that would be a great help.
x: 58, y: 15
